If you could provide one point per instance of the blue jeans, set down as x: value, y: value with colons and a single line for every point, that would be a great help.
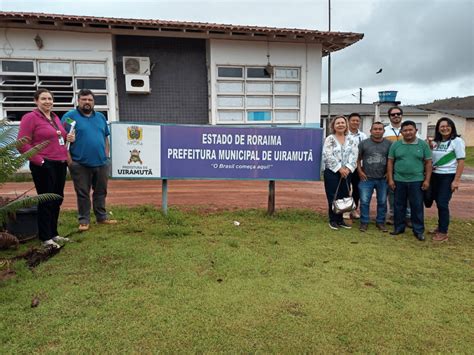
x: 442, y: 195
x: 412, y: 192
x: 366, y: 189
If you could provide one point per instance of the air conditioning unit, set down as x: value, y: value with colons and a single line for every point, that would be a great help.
x: 136, y: 65
x: 137, y: 84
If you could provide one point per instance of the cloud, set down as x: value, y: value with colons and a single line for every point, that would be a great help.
x: 422, y: 45
x: 415, y: 42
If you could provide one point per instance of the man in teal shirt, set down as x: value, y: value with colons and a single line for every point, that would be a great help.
x: 88, y: 159
x: 408, y: 174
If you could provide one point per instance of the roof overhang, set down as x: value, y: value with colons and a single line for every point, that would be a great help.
x: 330, y: 41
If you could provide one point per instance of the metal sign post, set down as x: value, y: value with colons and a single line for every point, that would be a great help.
x: 271, y: 198
x: 164, y: 196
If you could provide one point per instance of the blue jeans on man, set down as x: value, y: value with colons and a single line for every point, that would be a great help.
x: 366, y: 189
x: 391, y: 208
x: 409, y: 192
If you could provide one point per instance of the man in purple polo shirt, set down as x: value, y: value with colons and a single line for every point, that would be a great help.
x: 88, y: 159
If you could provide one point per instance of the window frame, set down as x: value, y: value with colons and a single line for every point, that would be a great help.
x: 64, y: 86
x: 27, y: 73
x: 272, y: 94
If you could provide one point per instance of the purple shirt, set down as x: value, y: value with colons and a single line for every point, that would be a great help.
x: 38, y: 129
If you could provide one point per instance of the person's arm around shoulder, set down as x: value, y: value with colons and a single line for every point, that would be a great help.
x: 428, y: 166
x: 460, y: 150
x: 360, y: 168
x: 390, y: 164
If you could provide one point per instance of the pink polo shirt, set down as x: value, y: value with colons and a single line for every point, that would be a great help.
x: 38, y: 129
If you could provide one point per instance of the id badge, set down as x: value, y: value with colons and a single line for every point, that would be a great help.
x: 61, y: 140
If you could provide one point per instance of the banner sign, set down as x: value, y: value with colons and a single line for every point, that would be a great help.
x: 215, y: 152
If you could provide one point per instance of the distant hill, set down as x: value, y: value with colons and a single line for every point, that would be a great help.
x: 454, y: 103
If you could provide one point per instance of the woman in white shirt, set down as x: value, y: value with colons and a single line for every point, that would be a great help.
x: 449, y: 152
x: 340, y: 160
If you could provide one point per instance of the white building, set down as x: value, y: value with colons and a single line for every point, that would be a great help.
x: 166, y: 72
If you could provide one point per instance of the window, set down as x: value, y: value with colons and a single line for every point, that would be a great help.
x: 54, y: 68
x: 257, y: 73
x: 19, y: 79
x: 225, y: 72
x: 91, y: 84
x: 90, y: 69
x: 17, y: 66
x: 252, y: 95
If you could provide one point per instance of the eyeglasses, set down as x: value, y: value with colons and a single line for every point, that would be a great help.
x: 395, y: 114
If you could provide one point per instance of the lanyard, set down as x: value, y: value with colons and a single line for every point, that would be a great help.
x: 395, y: 133
x: 52, y: 122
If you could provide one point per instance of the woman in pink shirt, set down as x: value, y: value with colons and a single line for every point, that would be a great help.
x: 48, y: 167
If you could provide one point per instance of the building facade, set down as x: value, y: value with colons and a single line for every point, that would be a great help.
x: 166, y: 72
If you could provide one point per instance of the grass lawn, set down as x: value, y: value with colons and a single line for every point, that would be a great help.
x: 470, y: 157
x: 195, y: 282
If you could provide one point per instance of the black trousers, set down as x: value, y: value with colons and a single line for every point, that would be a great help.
x: 331, y: 180
x: 49, y: 178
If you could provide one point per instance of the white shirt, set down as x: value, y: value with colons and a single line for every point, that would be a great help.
x: 359, y: 136
x: 337, y: 155
x: 452, y: 150
x: 393, y: 134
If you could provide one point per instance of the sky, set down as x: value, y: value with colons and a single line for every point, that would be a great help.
x: 424, y: 47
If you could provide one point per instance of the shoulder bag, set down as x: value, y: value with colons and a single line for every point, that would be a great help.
x: 345, y: 204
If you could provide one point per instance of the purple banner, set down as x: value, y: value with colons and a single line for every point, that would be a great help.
x: 240, y: 153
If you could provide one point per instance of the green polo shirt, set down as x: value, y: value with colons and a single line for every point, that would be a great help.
x: 409, y: 160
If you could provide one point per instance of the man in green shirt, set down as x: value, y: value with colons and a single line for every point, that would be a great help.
x: 408, y: 174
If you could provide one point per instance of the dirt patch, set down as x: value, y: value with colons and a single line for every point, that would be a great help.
x: 36, y: 256
x: 7, y: 275
x: 215, y: 195
x: 33, y: 257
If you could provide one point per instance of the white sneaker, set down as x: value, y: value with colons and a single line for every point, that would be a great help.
x: 60, y: 239
x: 51, y: 243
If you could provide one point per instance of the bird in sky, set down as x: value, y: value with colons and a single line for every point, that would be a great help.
x: 379, y: 71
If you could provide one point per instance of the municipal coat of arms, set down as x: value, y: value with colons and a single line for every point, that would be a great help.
x: 134, y: 133
x: 135, y: 157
